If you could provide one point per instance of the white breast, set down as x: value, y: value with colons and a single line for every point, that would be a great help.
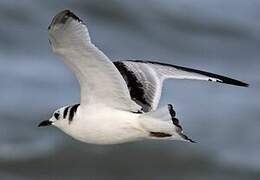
x: 104, y: 125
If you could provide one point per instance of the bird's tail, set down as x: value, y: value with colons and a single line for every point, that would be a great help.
x: 162, y: 124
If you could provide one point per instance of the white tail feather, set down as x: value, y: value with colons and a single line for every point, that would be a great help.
x: 162, y: 124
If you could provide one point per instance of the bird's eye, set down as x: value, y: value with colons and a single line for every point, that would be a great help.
x: 56, y: 115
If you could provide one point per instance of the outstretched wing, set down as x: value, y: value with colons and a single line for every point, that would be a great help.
x: 145, y: 79
x: 100, y: 81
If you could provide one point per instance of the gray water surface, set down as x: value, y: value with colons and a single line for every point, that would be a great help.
x: 218, y: 36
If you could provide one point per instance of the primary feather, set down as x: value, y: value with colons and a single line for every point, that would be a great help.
x: 145, y: 79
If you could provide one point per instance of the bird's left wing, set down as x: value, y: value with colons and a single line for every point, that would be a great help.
x: 100, y: 81
x: 145, y: 79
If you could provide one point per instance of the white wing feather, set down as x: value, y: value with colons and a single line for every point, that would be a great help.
x: 100, y: 81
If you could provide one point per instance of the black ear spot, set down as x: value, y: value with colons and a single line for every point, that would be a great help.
x: 56, y: 115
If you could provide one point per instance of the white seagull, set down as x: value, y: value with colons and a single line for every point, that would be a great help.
x: 118, y: 100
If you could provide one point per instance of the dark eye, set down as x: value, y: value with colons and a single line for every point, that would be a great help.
x: 56, y: 115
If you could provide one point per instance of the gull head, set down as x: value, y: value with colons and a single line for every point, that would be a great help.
x: 62, y: 117
x: 56, y: 119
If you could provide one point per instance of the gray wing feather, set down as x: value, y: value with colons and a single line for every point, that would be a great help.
x: 145, y: 79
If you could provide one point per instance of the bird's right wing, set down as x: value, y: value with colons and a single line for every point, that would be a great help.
x: 145, y: 79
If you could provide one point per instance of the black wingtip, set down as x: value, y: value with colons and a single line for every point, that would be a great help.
x: 192, y: 141
x: 221, y: 79
x: 230, y: 81
x: 187, y: 138
x: 73, y: 16
x: 63, y: 16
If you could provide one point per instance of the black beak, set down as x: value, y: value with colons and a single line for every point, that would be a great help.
x: 45, y: 123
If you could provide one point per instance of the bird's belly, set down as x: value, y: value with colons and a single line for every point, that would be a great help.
x: 108, y: 130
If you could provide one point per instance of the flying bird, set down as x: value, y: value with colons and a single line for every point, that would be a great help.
x: 119, y: 100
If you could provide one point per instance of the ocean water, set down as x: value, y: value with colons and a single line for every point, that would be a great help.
x: 218, y: 36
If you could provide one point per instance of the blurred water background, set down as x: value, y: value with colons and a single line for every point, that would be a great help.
x: 221, y: 36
